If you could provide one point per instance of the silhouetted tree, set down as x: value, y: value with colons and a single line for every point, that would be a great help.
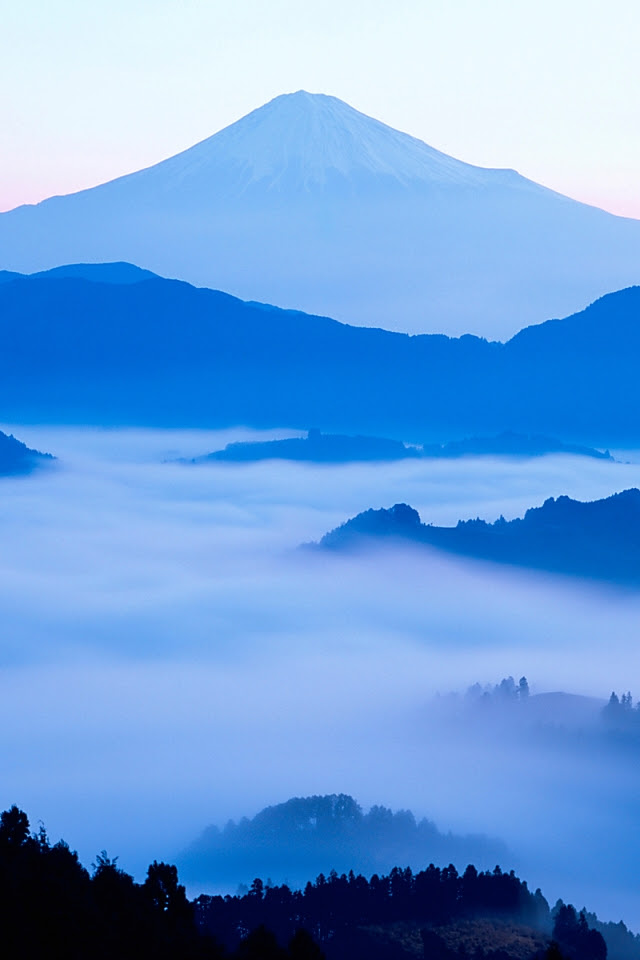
x: 303, y: 947
x: 260, y: 944
x: 14, y: 828
x: 574, y: 936
x: 553, y: 952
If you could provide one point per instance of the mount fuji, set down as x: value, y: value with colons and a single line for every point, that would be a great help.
x: 309, y: 204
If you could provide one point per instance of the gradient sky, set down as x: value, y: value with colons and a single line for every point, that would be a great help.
x: 89, y: 91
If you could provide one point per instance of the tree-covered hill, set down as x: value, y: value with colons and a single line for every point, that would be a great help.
x: 305, y: 836
x: 51, y: 906
x: 598, y: 539
x: 318, y: 447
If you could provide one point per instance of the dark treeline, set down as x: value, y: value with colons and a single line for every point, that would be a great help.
x: 52, y: 907
x: 337, y: 910
x: 345, y: 914
x: 622, y: 944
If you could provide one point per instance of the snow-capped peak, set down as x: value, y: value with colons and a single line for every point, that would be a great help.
x: 308, y: 138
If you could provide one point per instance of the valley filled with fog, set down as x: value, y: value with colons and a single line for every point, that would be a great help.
x: 171, y: 659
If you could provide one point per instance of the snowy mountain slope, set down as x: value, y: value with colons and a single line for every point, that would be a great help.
x: 307, y: 203
x: 305, y: 140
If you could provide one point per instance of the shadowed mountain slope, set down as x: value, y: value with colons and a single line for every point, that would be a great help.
x: 598, y: 539
x: 308, y: 203
x: 162, y: 352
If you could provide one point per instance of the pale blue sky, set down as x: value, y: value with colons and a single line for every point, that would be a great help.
x: 91, y: 89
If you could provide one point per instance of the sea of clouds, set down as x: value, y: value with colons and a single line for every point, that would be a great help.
x: 169, y: 658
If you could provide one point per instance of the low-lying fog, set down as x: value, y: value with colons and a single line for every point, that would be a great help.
x: 170, y: 660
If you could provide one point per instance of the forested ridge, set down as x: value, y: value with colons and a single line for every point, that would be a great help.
x: 51, y: 906
x: 306, y: 836
x: 597, y: 539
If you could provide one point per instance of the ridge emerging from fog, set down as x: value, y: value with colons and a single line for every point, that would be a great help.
x: 598, y: 539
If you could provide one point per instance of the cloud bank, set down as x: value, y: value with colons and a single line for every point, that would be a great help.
x: 169, y: 658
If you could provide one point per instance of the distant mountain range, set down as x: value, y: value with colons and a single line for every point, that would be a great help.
x: 308, y: 203
x: 17, y: 458
x: 318, y: 447
x: 304, y: 836
x: 598, y: 539
x: 161, y: 352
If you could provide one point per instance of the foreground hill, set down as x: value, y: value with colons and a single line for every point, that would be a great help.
x: 308, y: 203
x: 310, y: 835
x: 16, y: 457
x: 599, y: 539
x: 51, y: 906
x: 161, y: 352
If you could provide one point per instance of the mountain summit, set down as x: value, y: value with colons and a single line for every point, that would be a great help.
x: 309, y: 139
x: 307, y: 203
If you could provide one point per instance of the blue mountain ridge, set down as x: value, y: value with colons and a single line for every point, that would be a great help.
x: 599, y: 539
x: 161, y: 352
